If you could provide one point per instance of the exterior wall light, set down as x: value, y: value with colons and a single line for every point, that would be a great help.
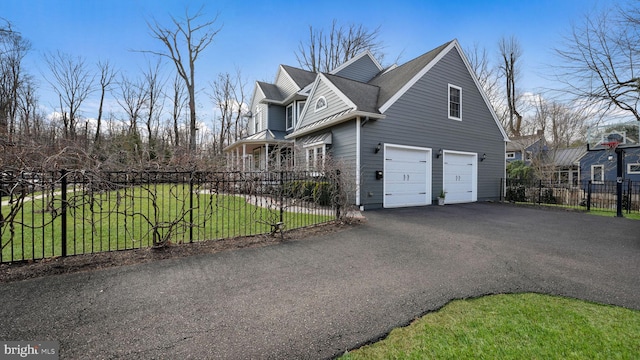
x: 484, y: 156
x: 439, y: 154
x: 378, y: 147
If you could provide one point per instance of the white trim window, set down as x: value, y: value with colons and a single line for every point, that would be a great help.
x: 597, y: 174
x: 455, y: 102
x: 633, y: 168
x: 300, y: 106
x: 321, y: 103
x: 257, y: 121
x: 315, y: 157
x: 289, y: 116
x: 511, y: 155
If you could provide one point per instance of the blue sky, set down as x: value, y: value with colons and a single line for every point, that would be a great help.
x: 256, y: 36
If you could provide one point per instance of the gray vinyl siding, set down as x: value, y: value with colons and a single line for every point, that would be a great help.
x: 255, y: 103
x: 420, y: 118
x: 363, y: 70
x: 341, y: 154
x: 335, y: 105
x: 277, y: 117
x: 285, y: 84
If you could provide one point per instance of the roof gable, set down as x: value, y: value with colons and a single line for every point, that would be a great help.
x: 362, y: 67
x: 323, y: 87
x: 396, y: 82
x: 300, y: 77
x: 270, y: 91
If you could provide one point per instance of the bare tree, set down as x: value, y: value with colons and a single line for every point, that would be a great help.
x: 324, y: 52
x: 132, y: 98
x: 178, y: 102
x: 154, y: 85
x: 489, y: 79
x: 184, y: 42
x: 107, y: 76
x: 510, y: 53
x: 13, y: 49
x: 228, y: 95
x: 600, y: 57
x: 73, y: 82
x: 566, y: 126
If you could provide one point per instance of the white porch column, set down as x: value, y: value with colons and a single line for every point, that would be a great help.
x: 244, y: 157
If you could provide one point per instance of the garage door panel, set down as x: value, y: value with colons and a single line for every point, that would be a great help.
x: 459, y: 178
x: 407, y: 177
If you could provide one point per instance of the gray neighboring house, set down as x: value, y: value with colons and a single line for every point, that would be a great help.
x: 401, y: 134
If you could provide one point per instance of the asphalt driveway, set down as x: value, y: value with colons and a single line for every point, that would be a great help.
x: 318, y: 297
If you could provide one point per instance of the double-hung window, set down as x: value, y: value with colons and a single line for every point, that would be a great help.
x: 315, y: 157
x: 455, y: 102
x: 289, y: 116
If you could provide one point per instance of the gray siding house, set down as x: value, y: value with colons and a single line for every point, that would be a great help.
x: 401, y: 135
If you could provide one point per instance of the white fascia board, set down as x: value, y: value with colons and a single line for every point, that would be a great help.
x: 346, y: 117
x: 314, y: 85
x: 335, y: 89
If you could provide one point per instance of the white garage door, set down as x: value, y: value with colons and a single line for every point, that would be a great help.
x: 460, y: 175
x: 407, y: 176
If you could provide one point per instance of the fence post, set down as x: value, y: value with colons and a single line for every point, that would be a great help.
x: 338, y: 193
x: 281, y: 196
x: 539, y: 192
x: 191, y: 206
x: 589, y: 196
x: 63, y: 210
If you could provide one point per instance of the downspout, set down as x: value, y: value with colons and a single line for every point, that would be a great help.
x: 358, y: 161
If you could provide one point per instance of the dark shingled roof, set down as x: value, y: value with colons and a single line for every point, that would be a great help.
x: 270, y: 91
x: 364, y: 96
x: 301, y: 77
x: 392, y: 81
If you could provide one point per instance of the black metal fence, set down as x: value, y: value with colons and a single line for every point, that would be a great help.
x: 590, y: 195
x: 59, y: 213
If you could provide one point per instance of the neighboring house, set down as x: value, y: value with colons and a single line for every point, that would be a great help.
x: 563, y: 165
x: 601, y: 165
x: 400, y: 134
x: 526, y: 148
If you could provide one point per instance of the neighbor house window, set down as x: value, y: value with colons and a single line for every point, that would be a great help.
x: 511, y: 155
x: 315, y: 157
x: 321, y: 103
x: 455, y: 102
x: 289, y: 116
x: 597, y: 174
x: 633, y: 168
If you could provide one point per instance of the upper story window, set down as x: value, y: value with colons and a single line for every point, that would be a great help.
x: 455, y: 102
x: 289, y: 117
x: 321, y: 103
x: 257, y: 120
x: 299, y: 112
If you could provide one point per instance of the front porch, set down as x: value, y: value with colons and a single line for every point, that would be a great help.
x: 265, y: 151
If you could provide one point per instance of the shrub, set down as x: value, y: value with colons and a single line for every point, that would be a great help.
x: 317, y: 191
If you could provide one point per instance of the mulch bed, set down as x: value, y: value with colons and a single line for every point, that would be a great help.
x: 58, y: 265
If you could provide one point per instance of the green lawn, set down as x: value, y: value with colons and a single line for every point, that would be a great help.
x: 129, y: 218
x: 522, y: 326
x: 593, y: 211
